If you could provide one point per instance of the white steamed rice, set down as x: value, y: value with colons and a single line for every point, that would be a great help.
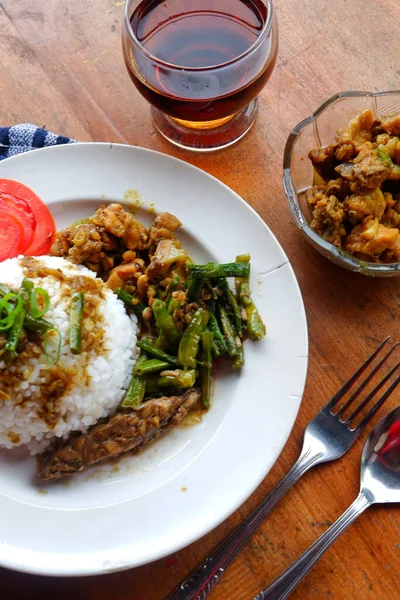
x: 90, y: 398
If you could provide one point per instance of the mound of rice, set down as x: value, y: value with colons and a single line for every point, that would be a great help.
x: 99, y: 378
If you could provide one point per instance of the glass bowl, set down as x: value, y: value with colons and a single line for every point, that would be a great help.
x: 318, y: 130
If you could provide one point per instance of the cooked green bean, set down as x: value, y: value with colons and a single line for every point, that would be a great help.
x: 149, y: 348
x: 213, y: 270
x: 161, y: 342
x: 75, y: 322
x: 171, y: 287
x: 219, y: 340
x: 229, y: 333
x: 39, y: 326
x: 177, y: 380
x: 189, y: 346
x: 151, y: 365
x: 14, y: 333
x: 205, y: 370
x: 26, y: 291
x: 137, y: 387
x: 173, y: 305
x: 131, y: 301
x: 233, y: 303
x: 238, y: 360
x: 255, y: 325
x: 194, y: 287
x: 165, y: 323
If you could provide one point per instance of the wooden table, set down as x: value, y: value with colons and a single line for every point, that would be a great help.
x: 62, y: 68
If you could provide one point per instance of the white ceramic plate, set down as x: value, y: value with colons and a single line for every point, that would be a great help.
x: 188, y: 482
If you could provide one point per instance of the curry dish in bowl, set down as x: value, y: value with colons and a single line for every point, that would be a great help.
x: 355, y: 199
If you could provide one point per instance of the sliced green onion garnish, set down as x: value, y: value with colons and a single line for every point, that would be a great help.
x: 52, y: 355
x: 35, y: 311
x: 7, y: 304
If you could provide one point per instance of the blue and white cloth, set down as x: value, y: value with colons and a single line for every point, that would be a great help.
x: 25, y: 136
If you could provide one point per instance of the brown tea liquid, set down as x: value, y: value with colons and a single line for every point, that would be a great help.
x: 199, y: 34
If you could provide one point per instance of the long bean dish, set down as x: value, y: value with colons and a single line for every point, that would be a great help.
x: 138, y: 328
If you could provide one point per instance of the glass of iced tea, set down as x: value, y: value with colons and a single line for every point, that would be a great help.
x: 201, y: 64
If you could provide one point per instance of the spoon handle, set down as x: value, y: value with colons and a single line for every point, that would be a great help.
x: 284, y: 585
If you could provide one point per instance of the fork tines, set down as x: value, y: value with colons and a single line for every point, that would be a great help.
x: 346, y: 387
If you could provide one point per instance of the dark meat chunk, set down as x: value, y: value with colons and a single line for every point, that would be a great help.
x: 365, y: 171
x: 337, y: 187
x: 121, y: 224
x: 324, y: 161
x: 328, y: 215
x: 122, y: 433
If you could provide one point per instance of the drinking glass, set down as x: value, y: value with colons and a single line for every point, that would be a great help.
x: 201, y: 64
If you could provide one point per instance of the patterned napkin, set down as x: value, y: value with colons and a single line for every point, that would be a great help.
x: 25, y: 136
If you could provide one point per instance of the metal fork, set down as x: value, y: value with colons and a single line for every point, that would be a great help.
x: 326, y: 438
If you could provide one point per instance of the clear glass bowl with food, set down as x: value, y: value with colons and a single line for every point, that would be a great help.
x: 342, y: 180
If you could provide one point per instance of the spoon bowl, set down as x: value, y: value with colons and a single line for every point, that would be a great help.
x: 380, y: 462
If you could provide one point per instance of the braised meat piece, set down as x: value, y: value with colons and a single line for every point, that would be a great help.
x: 368, y: 203
x: 351, y: 138
x: 164, y: 227
x: 121, y: 224
x: 168, y: 255
x: 328, y: 215
x: 370, y: 239
x: 367, y: 170
x: 122, y: 433
x: 324, y: 161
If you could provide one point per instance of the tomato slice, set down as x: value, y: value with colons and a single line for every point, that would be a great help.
x: 24, y: 219
x: 43, y: 227
x: 11, y: 234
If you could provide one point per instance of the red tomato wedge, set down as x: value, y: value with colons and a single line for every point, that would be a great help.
x: 11, y: 234
x: 24, y: 199
x: 24, y: 219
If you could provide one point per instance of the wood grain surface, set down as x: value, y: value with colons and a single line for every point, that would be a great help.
x: 61, y: 67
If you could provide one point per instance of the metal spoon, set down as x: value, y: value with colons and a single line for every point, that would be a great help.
x: 380, y: 483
